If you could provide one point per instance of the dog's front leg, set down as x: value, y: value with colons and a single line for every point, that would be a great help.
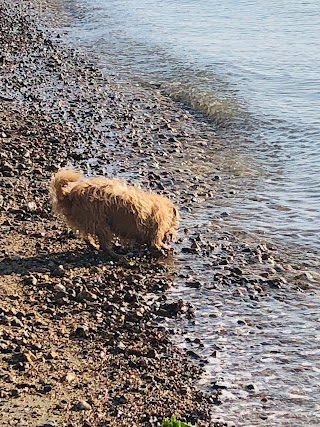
x: 157, y: 246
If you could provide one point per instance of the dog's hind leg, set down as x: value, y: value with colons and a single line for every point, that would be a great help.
x: 90, y: 242
x: 105, y: 238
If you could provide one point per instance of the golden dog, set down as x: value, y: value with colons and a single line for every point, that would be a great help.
x: 102, y: 208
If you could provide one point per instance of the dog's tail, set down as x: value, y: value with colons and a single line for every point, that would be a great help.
x: 60, y: 180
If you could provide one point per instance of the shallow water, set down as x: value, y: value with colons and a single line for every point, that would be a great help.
x: 263, y: 353
x: 249, y: 68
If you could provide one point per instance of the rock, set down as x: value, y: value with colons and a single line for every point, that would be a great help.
x: 36, y: 347
x: 81, y: 331
x: 4, y: 320
x: 6, y: 167
x: 86, y: 296
x: 189, y: 250
x: 312, y: 276
x: 28, y: 357
x: 60, y: 288
x: 216, y: 313
x: 48, y: 423
x: 46, y: 388
x: 184, y: 390
x: 121, y: 347
x: 32, y: 206
x: 193, y: 354
x: 120, y: 400
x: 152, y: 354
x: 195, y: 284
x: 135, y: 316
x: 250, y: 388
x: 69, y: 377
x: 171, y: 309
x: 30, y: 280
x: 16, y: 322
x: 51, y: 355
x: 237, y: 271
x: 82, y: 405
x: 195, y: 245
x: 15, y: 392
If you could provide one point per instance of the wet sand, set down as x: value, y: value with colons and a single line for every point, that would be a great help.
x: 82, y: 339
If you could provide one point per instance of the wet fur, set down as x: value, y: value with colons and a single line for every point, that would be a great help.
x: 101, y: 208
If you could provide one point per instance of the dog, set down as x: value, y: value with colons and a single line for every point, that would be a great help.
x: 102, y: 208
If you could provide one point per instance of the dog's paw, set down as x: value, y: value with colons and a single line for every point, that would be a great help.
x: 159, y: 253
x: 119, y: 259
x: 124, y: 262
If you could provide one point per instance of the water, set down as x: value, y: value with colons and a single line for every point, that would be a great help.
x: 253, y: 69
x: 264, y: 344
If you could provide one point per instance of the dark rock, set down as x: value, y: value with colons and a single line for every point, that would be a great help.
x: 189, y: 250
x: 120, y: 400
x: 250, y: 388
x: 193, y: 354
x: 48, y: 424
x: 195, y: 284
x: 81, y: 331
x: 46, y: 388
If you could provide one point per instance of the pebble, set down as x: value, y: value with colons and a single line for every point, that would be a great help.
x: 69, y: 377
x: 51, y: 355
x: 82, y: 405
x: 48, y: 424
x: 81, y: 331
x: 250, y: 388
x: 60, y: 288
x: 28, y: 357
x: 30, y: 280
x: 16, y: 322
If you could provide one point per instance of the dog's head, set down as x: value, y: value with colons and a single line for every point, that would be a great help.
x: 171, y: 234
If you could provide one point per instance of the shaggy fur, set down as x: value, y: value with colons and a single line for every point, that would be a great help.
x: 101, y: 208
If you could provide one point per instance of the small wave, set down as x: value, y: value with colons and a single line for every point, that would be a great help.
x: 224, y: 112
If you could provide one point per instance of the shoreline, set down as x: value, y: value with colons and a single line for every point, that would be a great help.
x: 80, y: 344
x: 81, y: 341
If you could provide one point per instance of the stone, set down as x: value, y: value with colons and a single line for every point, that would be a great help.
x: 51, y: 355
x: 69, y: 377
x: 81, y: 331
x: 82, y: 405
x: 60, y: 288
x: 28, y: 357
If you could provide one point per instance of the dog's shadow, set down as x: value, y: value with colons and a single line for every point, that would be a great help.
x: 51, y: 262
x: 44, y: 262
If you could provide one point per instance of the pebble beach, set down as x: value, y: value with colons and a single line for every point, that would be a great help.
x: 83, y: 339
x: 79, y: 343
